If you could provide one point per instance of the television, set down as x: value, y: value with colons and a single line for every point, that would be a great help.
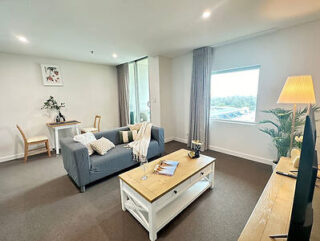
x: 302, y: 212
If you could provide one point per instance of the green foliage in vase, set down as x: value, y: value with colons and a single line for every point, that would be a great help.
x: 52, y: 104
x: 280, y: 132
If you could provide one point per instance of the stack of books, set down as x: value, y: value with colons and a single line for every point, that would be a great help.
x: 166, y: 168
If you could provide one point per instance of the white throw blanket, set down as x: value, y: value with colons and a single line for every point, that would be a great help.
x: 141, y: 143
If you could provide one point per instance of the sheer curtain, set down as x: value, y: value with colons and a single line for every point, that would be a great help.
x: 123, y: 93
x: 200, y: 96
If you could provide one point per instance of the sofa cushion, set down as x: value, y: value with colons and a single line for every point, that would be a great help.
x: 135, y: 127
x: 113, y: 161
x: 85, y: 139
x: 128, y: 136
x: 112, y: 135
x: 102, y: 146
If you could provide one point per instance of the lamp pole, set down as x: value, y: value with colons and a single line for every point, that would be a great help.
x: 292, y: 126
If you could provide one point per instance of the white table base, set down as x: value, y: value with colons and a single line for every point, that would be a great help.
x: 56, y: 134
x: 155, y: 215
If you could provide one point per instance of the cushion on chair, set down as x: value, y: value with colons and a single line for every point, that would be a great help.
x: 37, y: 138
x: 127, y: 136
x: 85, y: 139
x: 89, y: 129
x: 102, y: 145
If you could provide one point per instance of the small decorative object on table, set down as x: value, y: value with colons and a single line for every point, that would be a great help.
x: 195, y: 146
x: 52, y: 104
x: 295, y: 152
x: 166, y: 168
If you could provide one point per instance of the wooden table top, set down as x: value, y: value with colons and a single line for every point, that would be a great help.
x: 273, y: 211
x: 157, y: 185
x: 64, y: 123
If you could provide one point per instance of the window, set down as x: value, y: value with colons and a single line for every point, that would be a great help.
x: 234, y: 94
x: 139, y: 104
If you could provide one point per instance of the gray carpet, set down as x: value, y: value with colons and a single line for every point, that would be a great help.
x: 39, y: 202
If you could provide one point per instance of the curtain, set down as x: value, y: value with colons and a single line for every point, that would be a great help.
x: 200, y: 96
x: 123, y: 93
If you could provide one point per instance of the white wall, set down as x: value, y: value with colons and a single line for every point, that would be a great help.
x: 89, y: 89
x: 154, y: 82
x: 291, y: 51
x: 166, y: 97
x: 160, y: 79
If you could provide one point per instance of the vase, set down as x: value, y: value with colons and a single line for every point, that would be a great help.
x: 295, y: 156
x: 60, y: 117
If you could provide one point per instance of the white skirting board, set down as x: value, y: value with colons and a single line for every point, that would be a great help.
x: 11, y: 157
x: 233, y: 153
x: 168, y: 139
x: 16, y: 156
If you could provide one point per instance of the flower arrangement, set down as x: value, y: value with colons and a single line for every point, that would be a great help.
x: 299, y: 140
x: 52, y: 104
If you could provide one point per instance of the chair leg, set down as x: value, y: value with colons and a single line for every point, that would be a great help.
x: 48, y: 148
x: 26, y: 148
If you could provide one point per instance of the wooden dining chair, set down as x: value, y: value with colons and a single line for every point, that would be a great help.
x: 34, y: 141
x: 96, y: 126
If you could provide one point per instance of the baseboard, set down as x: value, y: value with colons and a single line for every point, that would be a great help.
x: 11, y: 157
x: 16, y: 156
x: 180, y: 140
x: 166, y: 140
x: 242, y: 155
x: 233, y: 153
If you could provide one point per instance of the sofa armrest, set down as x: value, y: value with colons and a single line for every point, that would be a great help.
x: 157, y: 133
x: 76, y: 161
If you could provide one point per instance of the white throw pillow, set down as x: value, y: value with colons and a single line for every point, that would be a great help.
x: 86, y: 139
x: 135, y: 127
x: 102, y: 145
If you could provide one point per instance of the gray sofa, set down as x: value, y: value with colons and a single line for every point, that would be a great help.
x: 85, y: 169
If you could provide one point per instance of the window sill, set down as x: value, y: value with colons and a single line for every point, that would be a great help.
x: 234, y: 122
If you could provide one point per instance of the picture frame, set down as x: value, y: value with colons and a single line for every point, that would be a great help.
x: 51, y: 75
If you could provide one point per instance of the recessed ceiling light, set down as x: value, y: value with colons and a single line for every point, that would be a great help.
x: 22, y: 39
x: 114, y: 55
x: 206, y: 14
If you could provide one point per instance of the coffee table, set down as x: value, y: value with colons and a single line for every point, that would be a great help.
x: 154, y: 202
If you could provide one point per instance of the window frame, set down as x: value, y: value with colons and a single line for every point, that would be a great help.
x: 230, y: 70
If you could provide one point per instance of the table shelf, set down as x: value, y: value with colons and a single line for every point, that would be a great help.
x: 167, y: 213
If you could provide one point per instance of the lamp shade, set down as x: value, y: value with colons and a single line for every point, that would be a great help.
x: 298, y: 90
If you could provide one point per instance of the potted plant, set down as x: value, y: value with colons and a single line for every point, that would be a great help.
x: 280, y: 132
x: 52, y: 104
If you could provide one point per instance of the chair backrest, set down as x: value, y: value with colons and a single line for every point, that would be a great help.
x: 96, y: 124
x: 22, y: 133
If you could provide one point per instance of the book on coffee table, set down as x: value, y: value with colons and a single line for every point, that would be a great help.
x: 166, y: 168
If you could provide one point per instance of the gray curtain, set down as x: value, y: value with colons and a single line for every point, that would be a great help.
x: 200, y: 96
x: 123, y: 93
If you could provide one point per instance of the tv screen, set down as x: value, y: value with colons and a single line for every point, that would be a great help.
x: 301, y: 216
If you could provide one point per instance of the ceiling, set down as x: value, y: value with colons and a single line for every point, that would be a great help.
x: 70, y: 29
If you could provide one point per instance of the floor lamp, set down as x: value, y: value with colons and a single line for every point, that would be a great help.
x: 297, y: 90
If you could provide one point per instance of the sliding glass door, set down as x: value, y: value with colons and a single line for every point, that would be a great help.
x: 139, y: 104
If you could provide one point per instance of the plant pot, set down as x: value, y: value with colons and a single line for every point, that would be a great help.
x: 60, y: 118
